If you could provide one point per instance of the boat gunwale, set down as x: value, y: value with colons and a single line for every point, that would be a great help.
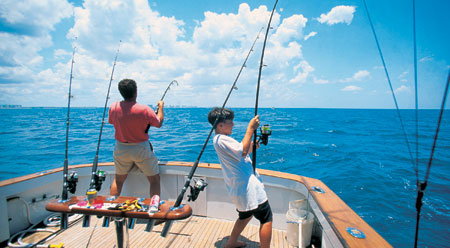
x: 336, y: 212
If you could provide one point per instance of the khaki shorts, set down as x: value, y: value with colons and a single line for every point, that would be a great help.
x: 128, y: 154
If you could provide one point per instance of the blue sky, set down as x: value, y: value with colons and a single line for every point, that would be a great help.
x: 320, y: 54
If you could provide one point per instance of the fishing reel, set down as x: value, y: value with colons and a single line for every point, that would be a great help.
x: 199, y: 185
x: 72, y: 181
x: 266, y: 131
x: 99, y: 178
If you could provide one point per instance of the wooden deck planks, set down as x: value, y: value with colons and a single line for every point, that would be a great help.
x: 196, y: 231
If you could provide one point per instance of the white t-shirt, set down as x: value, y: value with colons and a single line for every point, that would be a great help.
x: 244, y: 187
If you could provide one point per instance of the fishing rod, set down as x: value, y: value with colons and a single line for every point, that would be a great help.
x: 423, y: 185
x: 168, y: 87
x: 97, y: 178
x: 162, y: 98
x: 195, y: 165
x: 265, y: 130
x: 69, y: 183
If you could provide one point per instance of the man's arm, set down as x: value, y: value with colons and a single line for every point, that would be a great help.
x: 247, y: 140
x: 160, y: 113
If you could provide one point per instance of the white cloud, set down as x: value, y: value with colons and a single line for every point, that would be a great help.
x: 426, y: 59
x: 60, y: 53
x: 360, y: 75
x: 338, y: 14
x: 217, y: 31
x: 155, y: 49
x: 34, y: 16
x: 357, y: 77
x: 312, y: 34
x: 303, y: 74
x: 320, y: 81
x: 99, y: 25
x: 351, y: 88
x: 403, y: 76
x: 29, y: 24
x: 291, y: 27
x: 402, y: 88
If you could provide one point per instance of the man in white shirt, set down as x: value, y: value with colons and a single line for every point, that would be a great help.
x: 243, y: 184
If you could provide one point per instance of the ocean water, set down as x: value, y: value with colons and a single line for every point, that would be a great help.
x: 360, y: 154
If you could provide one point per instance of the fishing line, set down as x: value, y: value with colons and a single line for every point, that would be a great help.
x: 261, y: 64
x: 67, y: 186
x: 98, y: 178
x: 422, y: 186
x: 195, y: 165
x: 162, y: 98
x: 438, y: 126
x: 390, y: 85
x: 416, y: 92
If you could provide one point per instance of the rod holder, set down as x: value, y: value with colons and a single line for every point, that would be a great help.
x: 149, y: 226
x: 166, y: 228
x: 106, y: 221
x: 86, y: 220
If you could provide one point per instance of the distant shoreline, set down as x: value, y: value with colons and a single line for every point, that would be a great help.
x: 10, y: 106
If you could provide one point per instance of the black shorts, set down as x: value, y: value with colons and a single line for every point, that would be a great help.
x: 263, y: 213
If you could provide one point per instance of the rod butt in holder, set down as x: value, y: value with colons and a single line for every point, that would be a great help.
x: 86, y: 220
x: 131, y: 222
x: 106, y: 221
x: 149, y: 226
x: 122, y: 240
x: 166, y: 228
x: 64, y: 221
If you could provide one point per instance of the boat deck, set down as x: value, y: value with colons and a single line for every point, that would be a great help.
x: 196, y: 231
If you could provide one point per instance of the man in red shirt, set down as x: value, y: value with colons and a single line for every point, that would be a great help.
x: 130, y: 120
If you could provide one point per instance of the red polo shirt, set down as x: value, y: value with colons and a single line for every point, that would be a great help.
x: 130, y: 120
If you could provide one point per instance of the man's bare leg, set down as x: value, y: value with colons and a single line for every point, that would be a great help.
x: 116, y: 186
x: 155, y: 185
x: 265, y: 234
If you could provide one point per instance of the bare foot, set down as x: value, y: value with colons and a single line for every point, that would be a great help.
x: 236, y: 244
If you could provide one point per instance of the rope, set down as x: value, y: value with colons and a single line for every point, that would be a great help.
x: 50, y: 221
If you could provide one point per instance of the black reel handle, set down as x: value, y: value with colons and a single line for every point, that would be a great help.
x: 199, y: 185
x: 99, y: 178
x: 72, y: 182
